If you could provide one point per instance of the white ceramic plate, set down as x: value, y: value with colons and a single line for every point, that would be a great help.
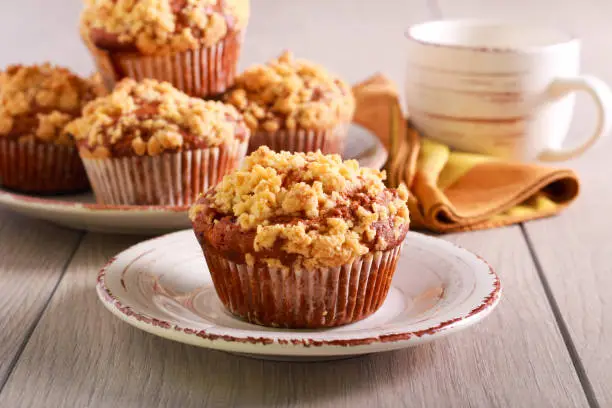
x: 163, y: 286
x: 81, y: 212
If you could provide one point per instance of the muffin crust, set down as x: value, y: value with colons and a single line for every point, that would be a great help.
x: 304, y: 209
x: 291, y: 93
x: 151, y: 117
x: 161, y: 26
x: 38, y: 101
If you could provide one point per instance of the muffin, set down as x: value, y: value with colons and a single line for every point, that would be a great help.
x: 294, y: 105
x: 36, y: 102
x: 193, y: 44
x: 301, y: 240
x: 148, y: 143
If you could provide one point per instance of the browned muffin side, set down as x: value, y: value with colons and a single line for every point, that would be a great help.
x: 150, y: 118
x: 291, y: 93
x: 36, y: 103
x: 294, y: 105
x: 301, y: 240
x: 148, y: 143
x: 304, y: 209
x: 193, y: 44
x: 161, y: 26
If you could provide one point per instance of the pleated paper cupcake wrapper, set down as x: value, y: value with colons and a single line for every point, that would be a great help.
x: 39, y: 167
x: 174, y: 179
x: 202, y: 72
x: 301, y: 140
x: 324, y: 297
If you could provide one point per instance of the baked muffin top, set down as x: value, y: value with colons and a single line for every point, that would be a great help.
x: 303, y: 209
x: 37, y: 101
x: 151, y: 117
x: 291, y: 93
x: 161, y: 26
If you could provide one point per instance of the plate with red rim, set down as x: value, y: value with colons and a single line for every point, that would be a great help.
x: 82, y: 212
x: 163, y: 286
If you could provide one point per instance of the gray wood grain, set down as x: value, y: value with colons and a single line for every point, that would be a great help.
x: 575, y: 248
x: 80, y: 355
x: 575, y: 251
x: 4, y: 214
x: 33, y: 256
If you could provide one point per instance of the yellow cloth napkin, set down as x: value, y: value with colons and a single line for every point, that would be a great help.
x: 452, y: 190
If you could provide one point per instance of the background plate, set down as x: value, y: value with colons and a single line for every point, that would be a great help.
x: 81, y: 211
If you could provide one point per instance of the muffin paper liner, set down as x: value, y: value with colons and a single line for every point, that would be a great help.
x: 174, y: 179
x: 200, y: 72
x: 303, y: 298
x: 40, y: 167
x: 301, y: 140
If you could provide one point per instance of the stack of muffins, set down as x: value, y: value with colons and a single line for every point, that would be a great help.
x: 294, y: 237
x: 141, y: 132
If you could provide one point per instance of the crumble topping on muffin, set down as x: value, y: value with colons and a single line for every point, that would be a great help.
x: 291, y: 93
x: 152, y: 117
x: 160, y: 26
x: 38, y: 101
x: 309, y: 208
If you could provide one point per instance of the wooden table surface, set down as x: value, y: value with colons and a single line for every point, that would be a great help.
x: 549, y: 343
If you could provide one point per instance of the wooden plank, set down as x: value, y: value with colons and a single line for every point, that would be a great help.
x: 28, y: 276
x: 522, y: 337
x: 80, y: 355
x: 574, y: 249
x: 32, y: 253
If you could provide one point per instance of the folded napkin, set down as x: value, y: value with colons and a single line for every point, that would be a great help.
x: 452, y: 190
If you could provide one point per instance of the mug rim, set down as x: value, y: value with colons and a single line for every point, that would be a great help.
x: 530, y: 49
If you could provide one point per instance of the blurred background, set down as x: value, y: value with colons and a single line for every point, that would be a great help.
x: 354, y: 38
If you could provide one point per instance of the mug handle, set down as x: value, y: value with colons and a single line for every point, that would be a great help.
x: 603, y: 99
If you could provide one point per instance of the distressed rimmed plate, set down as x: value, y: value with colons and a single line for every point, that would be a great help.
x: 81, y: 211
x: 163, y: 286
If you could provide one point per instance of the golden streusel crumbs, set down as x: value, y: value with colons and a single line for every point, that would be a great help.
x: 151, y: 117
x: 38, y: 101
x: 291, y: 93
x: 161, y: 26
x: 316, y: 206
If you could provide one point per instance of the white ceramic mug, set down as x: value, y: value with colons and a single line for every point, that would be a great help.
x: 499, y: 89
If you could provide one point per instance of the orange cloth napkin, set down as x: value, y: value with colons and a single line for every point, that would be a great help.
x: 452, y: 190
